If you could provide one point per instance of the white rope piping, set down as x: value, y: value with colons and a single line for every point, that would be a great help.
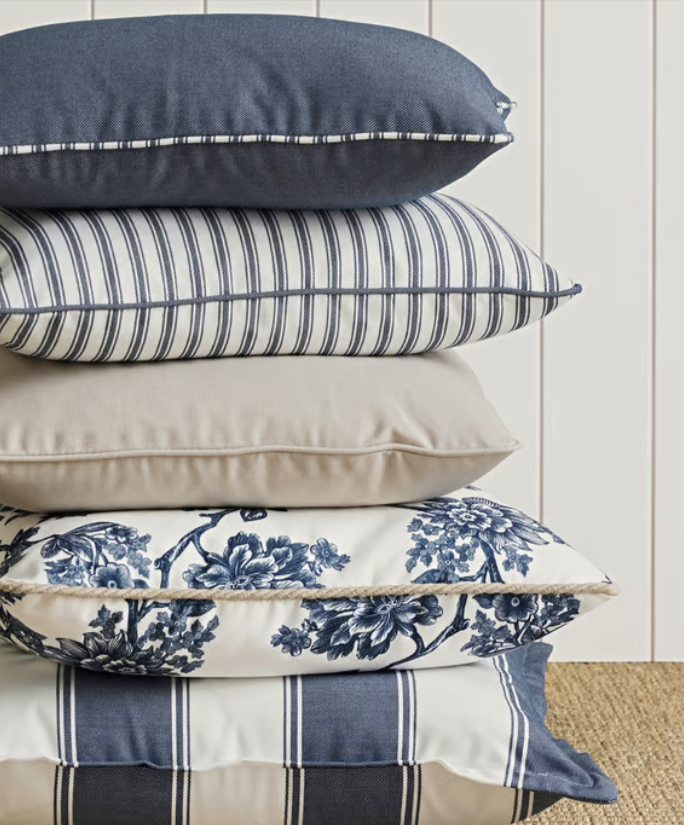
x: 306, y: 594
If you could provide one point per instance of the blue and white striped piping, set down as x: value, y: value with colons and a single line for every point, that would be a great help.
x: 191, y: 140
x: 155, y: 284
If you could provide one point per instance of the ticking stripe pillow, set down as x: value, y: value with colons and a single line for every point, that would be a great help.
x: 253, y: 592
x: 155, y: 284
x: 457, y: 746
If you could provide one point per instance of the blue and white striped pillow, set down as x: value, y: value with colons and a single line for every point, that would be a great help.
x: 441, y: 747
x: 156, y: 284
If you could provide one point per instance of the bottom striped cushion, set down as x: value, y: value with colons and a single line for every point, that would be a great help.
x: 454, y: 746
x: 245, y: 795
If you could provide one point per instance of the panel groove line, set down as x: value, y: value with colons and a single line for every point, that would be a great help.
x: 24, y: 14
x: 654, y: 297
x: 402, y: 14
x: 144, y: 8
x: 542, y: 252
x: 597, y: 352
x: 669, y: 346
x: 504, y: 38
x: 305, y: 8
x: 595, y: 391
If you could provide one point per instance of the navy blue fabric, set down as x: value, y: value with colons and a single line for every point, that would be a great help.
x: 543, y: 800
x: 552, y: 766
x: 123, y: 721
x: 114, y: 796
x: 345, y: 796
x: 208, y: 75
x: 351, y: 721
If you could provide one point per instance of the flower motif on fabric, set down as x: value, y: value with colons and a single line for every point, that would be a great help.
x: 116, y: 576
x: 469, y: 539
x: 147, y: 636
x: 473, y: 539
x: 293, y: 640
x: 246, y: 564
x: 367, y: 625
x: 449, y: 534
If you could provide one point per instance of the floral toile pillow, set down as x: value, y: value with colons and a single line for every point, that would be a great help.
x: 252, y: 592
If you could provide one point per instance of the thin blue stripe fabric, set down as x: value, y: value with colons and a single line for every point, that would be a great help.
x: 155, y: 284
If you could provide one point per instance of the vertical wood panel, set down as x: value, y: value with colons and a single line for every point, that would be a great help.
x: 597, y: 351
x: 595, y: 187
x: 303, y: 7
x: 669, y: 341
x: 145, y: 8
x: 402, y: 14
x: 24, y: 14
x: 503, y: 37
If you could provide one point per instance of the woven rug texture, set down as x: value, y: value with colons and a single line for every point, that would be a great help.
x: 630, y: 718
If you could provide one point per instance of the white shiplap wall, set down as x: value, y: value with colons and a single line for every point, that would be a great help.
x: 594, y: 181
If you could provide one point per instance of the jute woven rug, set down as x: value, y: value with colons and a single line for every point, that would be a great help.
x: 630, y: 717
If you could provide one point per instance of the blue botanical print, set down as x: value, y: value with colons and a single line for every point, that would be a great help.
x: 521, y: 620
x: 110, y: 555
x: 469, y: 539
x: 151, y: 637
x: 12, y: 553
x: 368, y: 624
x: 473, y: 539
x: 327, y: 556
x: 448, y: 535
x: 116, y: 576
x: 246, y: 564
x: 293, y: 640
x: 88, y: 556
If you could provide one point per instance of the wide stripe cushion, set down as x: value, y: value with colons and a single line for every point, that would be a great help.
x: 156, y: 284
x: 458, y: 746
x: 237, y: 110
x: 251, y: 592
x: 274, y: 432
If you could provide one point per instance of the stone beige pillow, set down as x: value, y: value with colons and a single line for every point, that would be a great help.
x: 271, y: 432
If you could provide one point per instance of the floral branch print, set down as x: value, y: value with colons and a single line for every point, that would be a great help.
x: 451, y: 540
x: 475, y: 539
x: 148, y: 637
x: 518, y: 620
x: 368, y: 625
x: 469, y: 539
x: 246, y: 564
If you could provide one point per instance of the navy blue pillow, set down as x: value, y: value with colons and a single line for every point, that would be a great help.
x: 237, y: 110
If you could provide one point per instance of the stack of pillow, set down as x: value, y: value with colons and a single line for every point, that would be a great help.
x: 178, y: 191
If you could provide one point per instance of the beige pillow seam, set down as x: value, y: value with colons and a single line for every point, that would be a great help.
x: 241, y: 451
